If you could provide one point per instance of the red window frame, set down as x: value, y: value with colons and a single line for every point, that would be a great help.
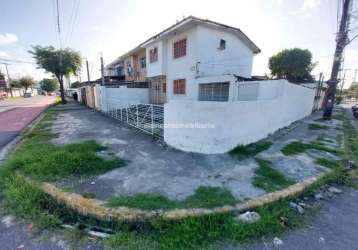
x: 153, y: 55
x: 179, y: 48
x: 179, y: 87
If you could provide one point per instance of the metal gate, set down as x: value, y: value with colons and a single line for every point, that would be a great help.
x: 148, y: 118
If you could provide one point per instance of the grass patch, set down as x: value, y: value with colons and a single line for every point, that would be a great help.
x: 315, y: 126
x: 268, y: 178
x: 350, y: 149
x: 250, y: 150
x: 204, y: 232
x: 327, y: 163
x: 298, y: 147
x: 37, y: 158
x: 40, y: 160
x: 27, y: 201
x: 326, y: 140
x: 204, y: 197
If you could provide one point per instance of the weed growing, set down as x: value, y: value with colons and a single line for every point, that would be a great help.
x: 315, y: 126
x: 298, y: 147
x: 268, y: 178
x: 204, y: 197
x: 242, y: 152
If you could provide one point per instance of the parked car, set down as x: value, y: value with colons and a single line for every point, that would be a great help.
x: 28, y: 94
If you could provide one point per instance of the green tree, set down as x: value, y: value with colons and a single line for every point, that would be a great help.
x: 59, y: 62
x: 49, y: 85
x: 352, y: 92
x: 26, y: 82
x: 75, y: 85
x: 295, y: 65
x: 14, y: 83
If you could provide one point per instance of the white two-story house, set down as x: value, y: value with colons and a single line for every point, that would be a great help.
x: 188, y: 61
x: 184, y: 56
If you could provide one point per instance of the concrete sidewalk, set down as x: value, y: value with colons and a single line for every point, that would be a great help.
x: 155, y: 168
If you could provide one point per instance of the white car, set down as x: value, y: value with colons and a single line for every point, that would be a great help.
x: 27, y: 94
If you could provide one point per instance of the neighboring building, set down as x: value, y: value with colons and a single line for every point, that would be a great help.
x: 175, y: 60
x: 3, y: 86
x: 129, y: 67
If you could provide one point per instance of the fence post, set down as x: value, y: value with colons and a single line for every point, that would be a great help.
x: 127, y: 114
x: 137, y: 115
x: 152, y: 118
x: 121, y: 115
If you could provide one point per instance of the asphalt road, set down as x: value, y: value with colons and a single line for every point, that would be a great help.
x: 16, y: 114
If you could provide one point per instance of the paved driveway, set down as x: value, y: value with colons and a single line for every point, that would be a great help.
x: 16, y: 114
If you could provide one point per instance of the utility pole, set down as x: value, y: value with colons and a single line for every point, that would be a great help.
x: 88, y: 75
x: 8, y: 79
x: 342, y: 41
x: 102, y: 70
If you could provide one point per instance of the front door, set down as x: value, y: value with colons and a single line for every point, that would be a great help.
x: 158, y: 93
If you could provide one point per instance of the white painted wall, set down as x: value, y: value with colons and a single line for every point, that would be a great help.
x: 183, y: 67
x: 202, y: 48
x: 159, y: 67
x: 114, y: 98
x: 235, y: 122
x: 97, y: 95
x: 236, y: 58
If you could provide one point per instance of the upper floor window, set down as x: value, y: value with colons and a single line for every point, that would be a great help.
x: 143, y: 63
x: 179, y: 87
x: 179, y: 48
x: 222, y: 44
x: 129, y: 69
x: 153, y: 55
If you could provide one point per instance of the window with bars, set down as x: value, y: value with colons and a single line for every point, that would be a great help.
x: 179, y: 87
x: 153, y: 55
x: 179, y: 48
x: 164, y: 87
x: 217, y: 91
x: 143, y: 63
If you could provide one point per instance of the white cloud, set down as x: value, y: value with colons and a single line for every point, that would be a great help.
x: 3, y: 54
x: 310, y: 5
x: 277, y: 2
x: 7, y: 38
x: 307, y: 8
x: 23, y: 69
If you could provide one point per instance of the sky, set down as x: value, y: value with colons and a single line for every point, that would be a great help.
x: 113, y: 27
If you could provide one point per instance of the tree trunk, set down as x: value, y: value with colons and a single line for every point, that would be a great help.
x: 62, y: 91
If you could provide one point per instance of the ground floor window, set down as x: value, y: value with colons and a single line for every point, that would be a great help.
x: 179, y: 87
x: 217, y: 91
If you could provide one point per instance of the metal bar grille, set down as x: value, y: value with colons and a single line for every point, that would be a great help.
x: 148, y: 118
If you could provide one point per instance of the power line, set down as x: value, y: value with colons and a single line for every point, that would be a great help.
x: 58, y: 22
x: 73, y: 19
x: 55, y: 22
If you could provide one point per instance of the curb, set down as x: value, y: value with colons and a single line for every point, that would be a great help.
x: 96, y: 208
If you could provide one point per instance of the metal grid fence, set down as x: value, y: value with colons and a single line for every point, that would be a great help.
x: 148, y: 118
